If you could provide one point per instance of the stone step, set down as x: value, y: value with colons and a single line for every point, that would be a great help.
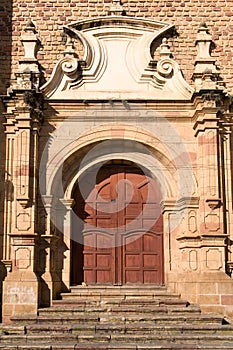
x: 161, y: 339
x: 83, y: 346
x: 101, y: 293
x: 137, y: 334
x: 152, y: 347
x: 170, y: 346
x: 158, y: 339
x: 37, y: 338
x: 113, y: 347
x: 132, y: 318
x: 31, y: 347
x: 124, y: 292
x: 151, y: 329
x: 136, y: 328
x: 122, y: 310
x: 32, y: 328
x: 43, y: 347
x: 118, y: 318
x: 52, y: 328
x: 124, y: 287
x: 117, y: 302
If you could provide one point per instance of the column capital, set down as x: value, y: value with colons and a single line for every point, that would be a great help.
x: 68, y: 203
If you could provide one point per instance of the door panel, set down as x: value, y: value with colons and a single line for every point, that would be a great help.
x: 98, y: 258
x: 142, y: 258
x: 122, y: 232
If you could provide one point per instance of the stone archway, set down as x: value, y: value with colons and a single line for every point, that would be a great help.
x: 119, y: 239
x: 124, y: 142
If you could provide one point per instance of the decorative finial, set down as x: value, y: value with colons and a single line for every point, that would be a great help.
x: 30, y: 27
x: 69, y: 50
x: 203, y: 42
x: 29, y: 41
x: 116, y: 9
x: 205, y: 73
x: 165, y: 49
x: 203, y: 26
x: 28, y: 73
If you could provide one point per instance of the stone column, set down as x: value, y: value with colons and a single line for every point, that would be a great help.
x: 209, y: 101
x: 68, y: 204
x: 211, y: 230
x: 23, y: 116
x: 10, y: 140
x: 51, y: 284
x: 180, y: 226
x: 20, y: 288
x: 226, y: 167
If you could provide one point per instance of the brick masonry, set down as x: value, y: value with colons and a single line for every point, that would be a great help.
x: 5, y: 43
x: 50, y: 16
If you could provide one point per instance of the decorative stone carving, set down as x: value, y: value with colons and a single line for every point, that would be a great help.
x: 131, y: 74
x: 70, y: 49
x: 205, y: 73
x: 212, y: 221
x: 22, y: 258
x: 192, y: 221
x: 165, y: 49
x: 34, y: 102
x: 23, y: 222
x: 23, y: 114
x: 28, y: 74
x: 193, y: 262
x: 230, y: 267
x: 214, y: 203
x: 209, y: 160
x: 29, y: 41
x: 116, y: 8
x: 22, y: 171
x: 8, y: 265
x: 214, y: 259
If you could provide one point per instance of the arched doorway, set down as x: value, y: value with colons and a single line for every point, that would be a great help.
x: 119, y: 239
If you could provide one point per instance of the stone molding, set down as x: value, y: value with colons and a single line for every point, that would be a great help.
x: 118, y: 62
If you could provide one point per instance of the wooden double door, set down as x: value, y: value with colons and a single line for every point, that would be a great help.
x: 121, y: 235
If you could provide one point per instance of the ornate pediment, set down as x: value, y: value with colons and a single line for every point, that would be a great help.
x: 117, y: 63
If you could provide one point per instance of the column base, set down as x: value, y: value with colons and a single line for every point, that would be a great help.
x: 20, y: 295
x: 213, y: 291
x: 50, y: 288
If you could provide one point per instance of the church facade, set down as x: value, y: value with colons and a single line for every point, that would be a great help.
x: 116, y: 150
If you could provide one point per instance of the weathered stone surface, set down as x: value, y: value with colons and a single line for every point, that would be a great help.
x: 76, y: 328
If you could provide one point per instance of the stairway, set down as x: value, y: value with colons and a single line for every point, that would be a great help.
x: 120, y: 318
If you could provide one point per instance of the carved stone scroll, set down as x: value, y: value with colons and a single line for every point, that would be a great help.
x: 117, y: 64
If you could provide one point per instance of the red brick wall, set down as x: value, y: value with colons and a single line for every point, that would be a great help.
x: 5, y: 44
x: 5, y: 72
x: 186, y: 15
